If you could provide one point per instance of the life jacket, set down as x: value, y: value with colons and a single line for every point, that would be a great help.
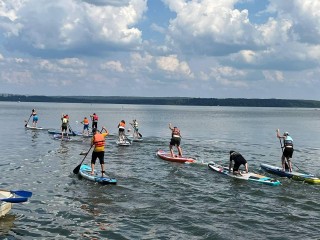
x: 99, y: 140
x: 122, y: 125
x: 288, y: 142
x: 95, y: 118
x: 135, y: 124
x: 175, y: 132
x: 86, y: 121
x: 64, y: 120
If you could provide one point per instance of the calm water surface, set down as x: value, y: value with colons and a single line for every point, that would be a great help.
x: 155, y: 199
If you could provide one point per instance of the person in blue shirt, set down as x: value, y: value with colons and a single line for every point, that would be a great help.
x: 287, y: 150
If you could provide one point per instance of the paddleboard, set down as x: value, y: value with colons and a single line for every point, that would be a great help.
x: 54, y: 131
x: 135, y: 139
x: 245, y: 176
x: 85, y: 171
x: 298, y: 176
x: 167, y: 156
x: 34, y: 128
x: 5, y: 207
x: 65, y: 138
x: 124, y: 142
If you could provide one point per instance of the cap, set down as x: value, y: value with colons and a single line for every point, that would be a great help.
x: 286, y: 134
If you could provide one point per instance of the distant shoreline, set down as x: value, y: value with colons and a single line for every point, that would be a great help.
x: 183, y: 101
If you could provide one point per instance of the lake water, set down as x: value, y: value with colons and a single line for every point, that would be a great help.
x: 155, y: 199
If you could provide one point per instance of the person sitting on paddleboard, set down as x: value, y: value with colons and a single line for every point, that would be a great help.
x: 64, y: 125
x: 121, y: 128
x: 175, y: 140
x: 85, y: 123
x: 94, y: 118
x: 238, y: 160
x: 98, y: 140
x: 288, y: 150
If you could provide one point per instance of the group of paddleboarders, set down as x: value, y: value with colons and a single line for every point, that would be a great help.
x: 236, y: 159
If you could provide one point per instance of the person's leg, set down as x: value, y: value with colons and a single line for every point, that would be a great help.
x: 171, y: 150
x: 93, y: 161
x: 180, y: 151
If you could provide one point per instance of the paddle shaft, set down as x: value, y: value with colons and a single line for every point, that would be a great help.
x: 28, y: 120
x: 77, y: 169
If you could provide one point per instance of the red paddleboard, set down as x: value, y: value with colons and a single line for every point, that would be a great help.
x: 167, y: 156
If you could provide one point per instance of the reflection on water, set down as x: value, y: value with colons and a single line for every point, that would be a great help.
x: 6, y: 223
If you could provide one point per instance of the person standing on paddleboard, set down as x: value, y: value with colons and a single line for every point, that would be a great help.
x: 175, y: 140
x: 64, y: 125
x: 85, y: 123
x: 35, y: 118
x: 94, y: 118
x: 238, y: 160
x: 287, y: 152
x: 121, y: 130
x: 98, y: 140
x: 135, y: 126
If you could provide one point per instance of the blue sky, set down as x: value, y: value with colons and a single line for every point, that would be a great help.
x: 199, y: 48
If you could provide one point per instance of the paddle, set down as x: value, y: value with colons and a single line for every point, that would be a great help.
x: 77, y: 169
x: 70, y: 130
x: 22, y: 193
x: 28, y: 121
x: 140, y: 135
x: 14, y: 200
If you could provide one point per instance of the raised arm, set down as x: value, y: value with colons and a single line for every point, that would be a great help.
x: 278, y: 134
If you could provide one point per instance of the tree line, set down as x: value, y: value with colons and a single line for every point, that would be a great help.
x: 235, y: 102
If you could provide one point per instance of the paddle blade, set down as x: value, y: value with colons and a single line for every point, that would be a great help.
x: 140, y: 135
x: 22, y: 193
x: 14, y: 200
x: 77, y: 169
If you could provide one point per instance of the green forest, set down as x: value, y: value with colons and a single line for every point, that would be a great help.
x: 235, y: 102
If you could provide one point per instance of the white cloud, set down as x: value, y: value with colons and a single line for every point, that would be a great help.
x: 172, y: 64
x: 75, y: 26
x: 113, y: 66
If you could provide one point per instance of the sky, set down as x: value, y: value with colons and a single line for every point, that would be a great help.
x: 161, y: 48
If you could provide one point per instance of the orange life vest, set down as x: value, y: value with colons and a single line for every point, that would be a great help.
x: 99, y: 140
x: 86, y: 121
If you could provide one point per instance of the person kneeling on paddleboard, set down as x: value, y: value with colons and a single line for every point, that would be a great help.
x: 98, y: 140
x: 288, y: 150
x: 175, y: 140
x: 238, y: 160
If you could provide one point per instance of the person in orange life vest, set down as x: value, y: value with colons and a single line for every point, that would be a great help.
x: 175, y: 140
x: 85, y: 123
x: 94, y: 118
x: 98, y: 140
x: 122, y: 127
x: 35, y: 118
x: 64, y: 125
x: 288, y: 150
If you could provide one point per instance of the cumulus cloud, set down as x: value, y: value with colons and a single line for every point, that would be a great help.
x: 112, y: 65
x: 71, y: 27
x: 172, y: 64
